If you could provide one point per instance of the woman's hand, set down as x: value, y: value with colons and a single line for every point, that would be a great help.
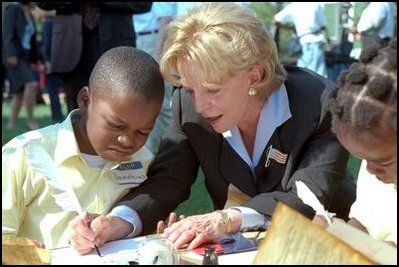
x: 171, y: 219
x: 198, y: 229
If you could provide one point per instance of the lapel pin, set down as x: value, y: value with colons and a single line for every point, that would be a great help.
x: 276, y: 155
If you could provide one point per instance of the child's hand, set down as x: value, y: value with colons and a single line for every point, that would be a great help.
x: 82, y: 235
x: 320, y: 221
x: 38, y: 244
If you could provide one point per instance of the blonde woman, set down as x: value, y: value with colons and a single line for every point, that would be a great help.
x: 252, y: 125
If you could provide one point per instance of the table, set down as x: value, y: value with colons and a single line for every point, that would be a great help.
x: 121, y: 251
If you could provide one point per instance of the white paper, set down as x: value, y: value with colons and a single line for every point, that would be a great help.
x: 116, y: 252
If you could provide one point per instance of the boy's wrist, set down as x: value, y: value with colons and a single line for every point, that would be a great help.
x: 119, y: 228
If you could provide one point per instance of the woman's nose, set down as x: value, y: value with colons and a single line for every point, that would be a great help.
x: 201, y: 103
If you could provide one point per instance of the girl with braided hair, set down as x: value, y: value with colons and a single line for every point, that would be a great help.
x: 364, y: 119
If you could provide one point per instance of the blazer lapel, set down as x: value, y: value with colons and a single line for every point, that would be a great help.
x: 235, y: 170
x: 269, y: 170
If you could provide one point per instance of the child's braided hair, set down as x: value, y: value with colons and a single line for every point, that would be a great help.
x: 366, y: 96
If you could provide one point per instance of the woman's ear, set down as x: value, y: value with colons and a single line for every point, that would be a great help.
x: 83, y: 98
x: 256, y: 75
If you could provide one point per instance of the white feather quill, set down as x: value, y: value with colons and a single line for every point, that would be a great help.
x: 309, y: 198
x: 43, y: 164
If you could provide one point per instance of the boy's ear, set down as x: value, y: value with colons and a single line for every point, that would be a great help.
x: 83, y: 98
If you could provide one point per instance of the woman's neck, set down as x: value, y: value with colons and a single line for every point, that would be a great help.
x: 249, y: 125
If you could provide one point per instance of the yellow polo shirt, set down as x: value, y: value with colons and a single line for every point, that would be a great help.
x: 28, y: 203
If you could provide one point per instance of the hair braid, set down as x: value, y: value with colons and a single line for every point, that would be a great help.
x: 366, y: 94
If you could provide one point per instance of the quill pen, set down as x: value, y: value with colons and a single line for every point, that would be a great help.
x: 43, y: 164
x: 309, y: 198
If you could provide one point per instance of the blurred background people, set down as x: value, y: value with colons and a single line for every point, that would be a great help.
x: 310, y: 28
x: 151, y: 28
x: 19, y: 51
x: 82, y: 32
x: 53, y: 82
x: 376, y: 23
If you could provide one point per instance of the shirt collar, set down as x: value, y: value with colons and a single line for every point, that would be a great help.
x: 67, y: 145
x: 275, y: 111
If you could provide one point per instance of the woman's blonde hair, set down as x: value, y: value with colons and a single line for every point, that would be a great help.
x: 221, y: 40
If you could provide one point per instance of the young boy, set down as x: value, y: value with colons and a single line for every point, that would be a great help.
x: 98, y: 151
x: 364, y: 118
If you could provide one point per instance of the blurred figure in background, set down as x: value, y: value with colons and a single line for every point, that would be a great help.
x: 310, y: 28
x: 82, y: 32
x: 19, y: 50
x: 338, y: 58
x: 53, y: 81
x: 151, y: 28
x: 376, y: 24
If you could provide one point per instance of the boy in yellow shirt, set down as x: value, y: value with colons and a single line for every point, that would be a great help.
x: 97, y: 153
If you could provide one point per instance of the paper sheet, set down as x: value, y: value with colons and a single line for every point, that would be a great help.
x: 116, y: 252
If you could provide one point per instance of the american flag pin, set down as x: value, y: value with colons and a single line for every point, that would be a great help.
x: 276, y: 155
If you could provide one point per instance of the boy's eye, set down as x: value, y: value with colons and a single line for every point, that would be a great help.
x: 144, y: 133
x: 115, y: 126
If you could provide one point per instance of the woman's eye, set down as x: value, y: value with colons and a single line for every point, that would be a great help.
x: 213, y: 91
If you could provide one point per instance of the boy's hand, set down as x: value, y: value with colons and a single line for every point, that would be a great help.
x: 38, y: 244
x: 99, y: 230
x: 82, y: 235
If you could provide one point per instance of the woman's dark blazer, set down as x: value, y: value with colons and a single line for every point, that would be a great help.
x: 314, y: 157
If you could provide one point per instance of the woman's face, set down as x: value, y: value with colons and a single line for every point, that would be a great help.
x: 222, y: 105
x: 380, y: 153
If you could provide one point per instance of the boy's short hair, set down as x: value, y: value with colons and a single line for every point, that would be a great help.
x: 125, y: 69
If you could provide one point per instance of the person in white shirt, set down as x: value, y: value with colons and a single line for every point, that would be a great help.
x: 364, y: 119
x: 375, y: 208
x: 92, y: 159
x: 310, y: 28
x: 376, y: 23
x: 150, y: 30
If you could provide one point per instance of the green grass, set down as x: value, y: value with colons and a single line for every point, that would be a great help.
x: 199, y: 201
x: 42, y: 113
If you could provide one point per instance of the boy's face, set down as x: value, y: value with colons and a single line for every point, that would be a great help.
x: 117, y: 127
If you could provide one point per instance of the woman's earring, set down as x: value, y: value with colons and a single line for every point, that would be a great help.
x: 252, y: 91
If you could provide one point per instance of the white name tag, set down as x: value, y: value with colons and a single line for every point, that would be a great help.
x: 129, y: 173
